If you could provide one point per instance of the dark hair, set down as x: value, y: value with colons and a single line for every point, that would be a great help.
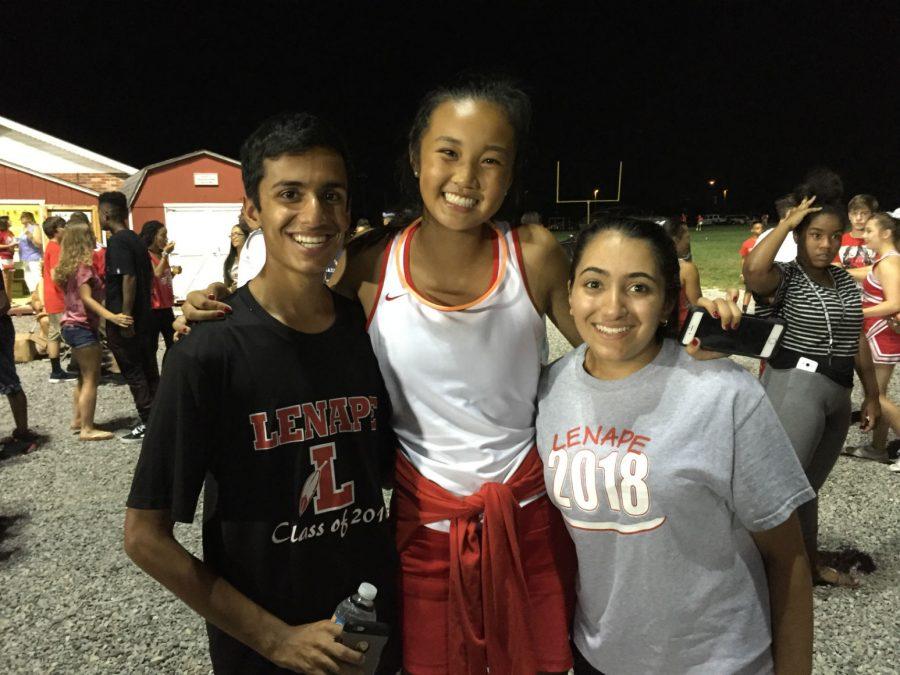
x: 29, y: 214
x: 149, y: 231
x: 663, y: 248
x: 4, y: 222
x: 860, y: 202
x: 673, y: 227
x: 232, y: 252
x: 828, y: 189
x: 51, y: 226
x: 785, y: 204
x: 287, y: 134
x: 887, y: 222
x: 118, y: 203
x: 79, y: 217
x: 502, y: 92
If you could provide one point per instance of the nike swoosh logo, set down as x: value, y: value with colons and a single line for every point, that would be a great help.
x: 389, y: 297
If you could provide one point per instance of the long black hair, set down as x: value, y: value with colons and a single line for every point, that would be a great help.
x: 663, y: 251
x: 149, y: 232
x: 233, y: 252
x: 503, y: 92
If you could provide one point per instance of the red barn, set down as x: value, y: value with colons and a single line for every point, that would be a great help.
x: 199, y: 197
x: 46, y: 175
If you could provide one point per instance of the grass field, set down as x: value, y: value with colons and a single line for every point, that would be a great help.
x: 715, y: 252
x: 716, y: 255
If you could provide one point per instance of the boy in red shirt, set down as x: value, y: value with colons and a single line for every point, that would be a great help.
x: 853, y: 255
x: 755, y: 230
x: 53, y: 297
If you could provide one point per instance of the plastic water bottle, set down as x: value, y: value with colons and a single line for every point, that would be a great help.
x: 359, y: 606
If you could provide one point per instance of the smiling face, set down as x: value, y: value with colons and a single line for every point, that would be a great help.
x: 618, y: 301
x: 237, y: 237
x: 820, y: 241
x: 465, y: 163
x: 303, y: 210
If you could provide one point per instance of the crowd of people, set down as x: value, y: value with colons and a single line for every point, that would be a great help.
x: 634, y: 506
x: 88, y: 299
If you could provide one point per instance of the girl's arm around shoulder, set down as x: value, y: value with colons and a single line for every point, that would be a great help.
x: 691, y: 281
x: 359, y: 271
x: 547, y: 271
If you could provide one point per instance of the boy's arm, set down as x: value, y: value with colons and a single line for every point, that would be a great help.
x: 309, y: 648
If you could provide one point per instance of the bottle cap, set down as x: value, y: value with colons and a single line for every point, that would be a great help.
x: 367, y: 591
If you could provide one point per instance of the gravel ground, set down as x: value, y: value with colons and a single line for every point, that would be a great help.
x: 72, y: 602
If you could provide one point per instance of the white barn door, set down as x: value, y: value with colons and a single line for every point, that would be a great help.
x: 201, y: 235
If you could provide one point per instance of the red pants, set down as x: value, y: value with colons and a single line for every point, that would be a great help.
x: 549, y: 563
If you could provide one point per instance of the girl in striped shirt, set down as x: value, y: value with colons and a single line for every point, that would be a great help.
x: 810, y: 379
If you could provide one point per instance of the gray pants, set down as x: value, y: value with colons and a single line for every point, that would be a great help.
x: 815, y: 412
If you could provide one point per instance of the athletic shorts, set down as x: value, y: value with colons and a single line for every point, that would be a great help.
x: 9, y: 378
x: 33, y: 275
x: 548, y: 558
x: 79, y: 336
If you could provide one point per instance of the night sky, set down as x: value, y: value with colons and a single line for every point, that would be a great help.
x: 749, y: 93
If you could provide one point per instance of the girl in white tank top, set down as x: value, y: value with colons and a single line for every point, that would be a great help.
x: 457, y: 327
x: 462, y: 379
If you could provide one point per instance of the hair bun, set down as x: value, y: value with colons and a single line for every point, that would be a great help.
x: 823, y: 184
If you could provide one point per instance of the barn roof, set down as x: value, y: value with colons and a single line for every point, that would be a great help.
x: 133, y: 183
x: 47, y: 154
x: 52, y: 179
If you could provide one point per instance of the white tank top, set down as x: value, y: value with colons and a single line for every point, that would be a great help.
x: 463, y: 380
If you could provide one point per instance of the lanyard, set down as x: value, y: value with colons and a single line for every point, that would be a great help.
x: 815, y: 288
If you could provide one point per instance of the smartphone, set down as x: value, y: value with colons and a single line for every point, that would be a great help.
x: 369, y: 637
x: 753, y: 337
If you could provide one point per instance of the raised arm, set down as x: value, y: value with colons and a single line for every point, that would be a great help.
x: 760, y: 273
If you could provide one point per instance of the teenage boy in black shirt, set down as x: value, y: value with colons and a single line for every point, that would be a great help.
x: 128, y: 280
x: 282, y: 410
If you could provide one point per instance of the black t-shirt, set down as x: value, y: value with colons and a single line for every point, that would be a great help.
x: 126, y: 254
x: 252, y: 407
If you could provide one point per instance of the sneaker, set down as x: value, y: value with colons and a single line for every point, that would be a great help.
x: 893, y: 449
x: 895, y: 466
x: 866, y: 452
x: 136, y: 435
x: 63, y: 376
